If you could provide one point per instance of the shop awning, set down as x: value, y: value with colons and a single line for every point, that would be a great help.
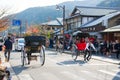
x: 112, y: 29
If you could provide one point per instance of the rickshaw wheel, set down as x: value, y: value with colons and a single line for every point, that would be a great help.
x: 23, y: 57
x: 42, y: 55
x: 74, y: 53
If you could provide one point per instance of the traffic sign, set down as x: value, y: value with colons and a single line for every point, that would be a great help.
x: 16, y: 22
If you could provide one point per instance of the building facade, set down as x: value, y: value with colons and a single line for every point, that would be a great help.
x: 92, y: 20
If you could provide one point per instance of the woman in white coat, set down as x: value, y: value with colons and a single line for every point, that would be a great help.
x: 89, y: 46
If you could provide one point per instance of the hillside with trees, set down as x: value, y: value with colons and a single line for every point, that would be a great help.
x: 37, y: 15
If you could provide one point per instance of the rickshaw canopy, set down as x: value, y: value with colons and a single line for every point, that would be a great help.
x: 81, y: 34
x: 75, y: 33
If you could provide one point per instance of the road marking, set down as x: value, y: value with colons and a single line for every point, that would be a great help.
x: 49, y: 76
x: 91, y: 74
x: 25, y: 77
x: 110, y: 73
x: 72, y: 75
x: 96, y: 64
x: 116, y: 70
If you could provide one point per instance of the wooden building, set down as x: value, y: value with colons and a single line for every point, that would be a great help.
x: 92, y: 19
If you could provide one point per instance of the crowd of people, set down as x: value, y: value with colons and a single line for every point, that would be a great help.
x: 103, y: 47
x: 108, y: 48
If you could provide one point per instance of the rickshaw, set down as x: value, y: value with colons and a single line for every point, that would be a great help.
x: 33, y: 44
x: 79, y: 48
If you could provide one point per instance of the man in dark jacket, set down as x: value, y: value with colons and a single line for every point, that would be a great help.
x: 117, y: 48
x: 8, y: 48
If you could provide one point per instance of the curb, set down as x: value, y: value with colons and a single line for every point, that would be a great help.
x: 9, y: 67
x: 113, y: 61
x: 13, y: 75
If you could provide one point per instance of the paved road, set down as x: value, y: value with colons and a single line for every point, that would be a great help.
x: 62, y: 67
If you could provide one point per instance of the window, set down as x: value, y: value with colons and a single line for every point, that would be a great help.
x: 84, y: 20
x: 118, y: 22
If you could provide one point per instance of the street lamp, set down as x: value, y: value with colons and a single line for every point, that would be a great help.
x: 58, y: 7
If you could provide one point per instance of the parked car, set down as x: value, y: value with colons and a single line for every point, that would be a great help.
x: 19, y: 43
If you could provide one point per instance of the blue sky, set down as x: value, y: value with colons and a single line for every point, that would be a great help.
x: 19, y: 5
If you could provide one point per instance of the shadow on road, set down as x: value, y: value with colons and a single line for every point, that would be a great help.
x: 18, y: 69
x: 71, y: 62
x: 117, y: 76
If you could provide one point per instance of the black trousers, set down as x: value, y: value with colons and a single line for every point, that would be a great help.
x: 87, y: 52
x: 7, y: 54
x: 118, y: 54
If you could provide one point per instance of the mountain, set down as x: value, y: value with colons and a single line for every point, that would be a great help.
x: 110, y: 3
x: 37, y: 15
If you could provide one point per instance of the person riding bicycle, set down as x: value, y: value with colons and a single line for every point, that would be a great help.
x: 88, y: 48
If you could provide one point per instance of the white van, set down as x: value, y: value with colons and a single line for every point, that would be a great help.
x: 19, y: 43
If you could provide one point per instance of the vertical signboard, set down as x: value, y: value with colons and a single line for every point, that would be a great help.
x: 16, y: 22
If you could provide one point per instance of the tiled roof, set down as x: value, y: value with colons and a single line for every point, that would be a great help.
x: 102, y: 19
x: 95, y: 11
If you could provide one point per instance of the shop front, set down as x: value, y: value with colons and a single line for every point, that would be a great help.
x: 93, y: 31
x: 112, y: 33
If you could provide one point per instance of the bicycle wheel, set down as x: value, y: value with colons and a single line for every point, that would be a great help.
x: 42, y: 55
x: 74, y: 53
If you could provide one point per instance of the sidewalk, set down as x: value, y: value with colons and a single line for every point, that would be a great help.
x: 7, y: 64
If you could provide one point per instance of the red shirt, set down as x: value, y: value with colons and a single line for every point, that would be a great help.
x: 81, y: 46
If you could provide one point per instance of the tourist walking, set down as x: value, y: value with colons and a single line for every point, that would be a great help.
x: 8, y: 48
